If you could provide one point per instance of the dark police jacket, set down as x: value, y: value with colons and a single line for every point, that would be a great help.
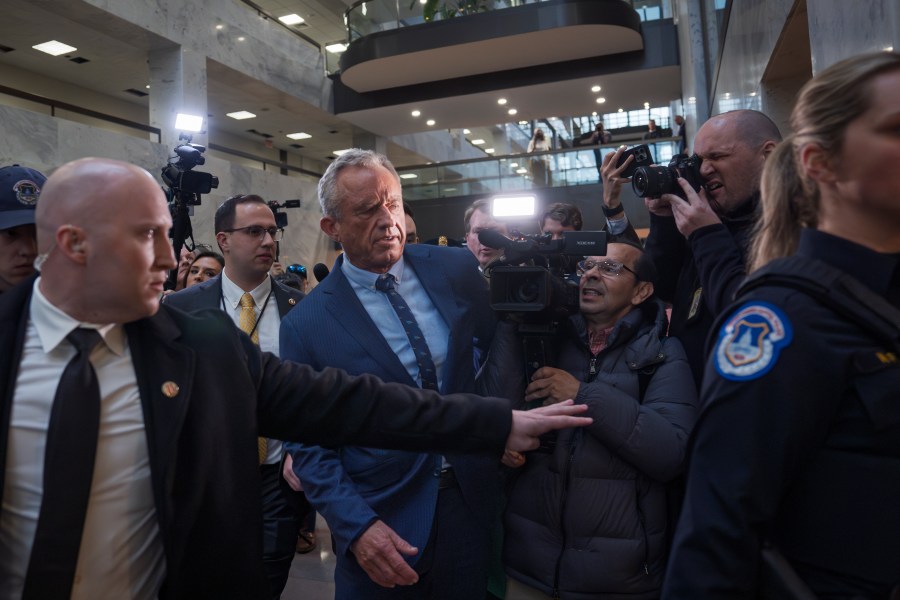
x: 202, y: 442
x: 798, y: 442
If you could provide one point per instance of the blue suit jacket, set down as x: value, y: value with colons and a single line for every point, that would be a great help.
x: 354, y: 486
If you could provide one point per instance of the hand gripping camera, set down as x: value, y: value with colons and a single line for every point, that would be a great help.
x: 653, y: 182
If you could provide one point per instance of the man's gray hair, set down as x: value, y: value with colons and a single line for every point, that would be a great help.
x: 329, y: 195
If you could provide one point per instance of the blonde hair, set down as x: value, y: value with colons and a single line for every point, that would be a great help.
x: 826, y: 105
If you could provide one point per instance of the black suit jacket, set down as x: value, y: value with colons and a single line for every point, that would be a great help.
x: 209, y: 295
x: 202, y: 442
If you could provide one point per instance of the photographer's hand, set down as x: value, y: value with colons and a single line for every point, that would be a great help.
x: 609, y: 174
x: 555, y: 385
x: 693, y: 213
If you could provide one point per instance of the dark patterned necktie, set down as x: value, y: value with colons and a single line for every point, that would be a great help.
x: 68, y: 470
x: 427, y: 371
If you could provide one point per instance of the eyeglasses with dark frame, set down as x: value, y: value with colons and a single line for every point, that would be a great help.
x: 608, y: 268
x: 257, y: 232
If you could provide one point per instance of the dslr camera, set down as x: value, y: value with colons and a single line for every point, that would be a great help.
x: 653, y: 182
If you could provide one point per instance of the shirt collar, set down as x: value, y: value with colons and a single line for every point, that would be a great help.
x: 366, y: 279
x: 232, y: 292
x: 53, y: 325
x: 873, y: 269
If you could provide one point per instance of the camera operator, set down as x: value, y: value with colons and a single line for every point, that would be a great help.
x: 604, y: 488
x: 699, y: 244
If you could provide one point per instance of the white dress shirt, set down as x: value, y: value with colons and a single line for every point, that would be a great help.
x: 268, y: 325
x: 121, y: 553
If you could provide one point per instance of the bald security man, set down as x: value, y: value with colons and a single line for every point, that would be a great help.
x: 128, y: 430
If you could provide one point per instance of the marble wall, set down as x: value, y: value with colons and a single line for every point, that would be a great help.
x: 43, y: 142
x: 839, y: 29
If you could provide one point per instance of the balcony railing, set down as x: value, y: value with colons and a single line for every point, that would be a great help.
x: 371, y: 16
x: 514, y: 172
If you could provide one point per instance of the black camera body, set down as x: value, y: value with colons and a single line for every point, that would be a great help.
x: 653, y: 182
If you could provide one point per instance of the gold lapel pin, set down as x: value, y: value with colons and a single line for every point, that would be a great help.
x: 170, y: 389
x: 291, y: 301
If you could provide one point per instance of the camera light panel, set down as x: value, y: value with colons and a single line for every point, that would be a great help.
x: 513, y: 206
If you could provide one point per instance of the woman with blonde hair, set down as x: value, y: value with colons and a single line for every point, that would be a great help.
x: 794, y: 480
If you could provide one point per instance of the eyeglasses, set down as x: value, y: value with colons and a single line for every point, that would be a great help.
x: 607, y: 268
x: 257, y: 233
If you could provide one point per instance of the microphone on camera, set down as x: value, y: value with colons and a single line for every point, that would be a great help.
x: 494, y: 239
x: 320, y: 272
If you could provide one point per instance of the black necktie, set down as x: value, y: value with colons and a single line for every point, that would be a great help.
x: 427, y: 371
x: 68, y: 469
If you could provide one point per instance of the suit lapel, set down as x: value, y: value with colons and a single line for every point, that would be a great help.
x: 284, y: 298
x: 165, y: 373
x: 348, y: 311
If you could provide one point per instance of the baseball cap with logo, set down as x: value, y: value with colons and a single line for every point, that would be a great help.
x: 20, y: 188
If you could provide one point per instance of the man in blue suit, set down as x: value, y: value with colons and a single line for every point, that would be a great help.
x: 419, y: 521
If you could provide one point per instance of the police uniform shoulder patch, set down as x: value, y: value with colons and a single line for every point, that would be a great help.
x: 750, y: 341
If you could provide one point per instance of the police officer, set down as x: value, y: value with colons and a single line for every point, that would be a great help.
x: 794, y: 479
x: 20, y: 189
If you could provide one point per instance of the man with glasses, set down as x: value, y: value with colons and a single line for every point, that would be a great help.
x: 587, y: 514
x: 246, y: 233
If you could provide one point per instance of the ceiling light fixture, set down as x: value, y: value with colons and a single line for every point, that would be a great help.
x: 621, y: 110
x: 646, y: 105
x: 408, y: 176
x: 416, y: 113
x: 240, y: 115
x: 523, y: 122
x: 478, y: 142
x: 291, y: 19
x: 601, y: 100
x: 501, y: 101
x: 466, y: 132
x: 55, y: 48
x: 220, y: 26
x: 430, y: 122
x: 299, y: 136
x: 521, y: 171
x: 513, y: 165
x: 186, y: 122
x: 241, y: 38
x: 594, y: 114
x: 489, y: 150
x: 596, y: 89
x: 147, y: 86
x: 336, y: 48
x: 339, y: 152
x: 513, y: 111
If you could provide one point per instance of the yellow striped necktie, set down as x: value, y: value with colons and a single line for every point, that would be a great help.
x: 247, y: 324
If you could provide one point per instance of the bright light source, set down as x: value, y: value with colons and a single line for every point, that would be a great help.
x: 339, y: 152
x: 523, y: 122
x: 478, y: 142
x: 336, y: 48
x: 646, y: 105
x: 596, y: 89
x: 186, y: 122
x: 888, y: 48
x: 291, y: 19
x: 513, y: 111
x: 501, y: 101
x: 241, y: 39
x: 220, y: 27
x: 466, y: 132
x: 692, y: 100
x: 601, y: 100
x: 727, y: 95
x: 521, y: 171
x: 430, y: 122
x: 753, y: 94
x: 513, y: 206
x: 621, y: 110
x: 416, y: 113
x: 240, y: 115
x: 408, y: 176
x: 489, y: 150
x: 147, y: 86
x: 299, y: 136
x: 594, y: 114
x: 513, y: 165
x: 55, y: 48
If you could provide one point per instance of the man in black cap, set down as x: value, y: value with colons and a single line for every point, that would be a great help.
x: 19, y: 191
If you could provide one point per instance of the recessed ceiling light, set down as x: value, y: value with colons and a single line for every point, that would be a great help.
x: 489, y: 150
x: 692, y: 100
x: 478, y: 142
x: 752, y: 94
x: 241, y: 39
x: 646, y: 105
x: 596, y: 89
x: 240, y: 115
x: 339, y: 152
x: 147, y: 86
x: 521, y: 171
x: 186, y: 122
x: 416, y: 113
x: 336, y: 48
x: 55, y: 48
x: 513, y: 111
x: 523, y: 122
x: 513, y: 165
x: 408, y: 176
x: 601, y: 100
x: 466, y: 132
x: 220, y: 26
x: 621, y: 110
x: 429, y: 122
x: 291, y: 19
x: 501, y: 101
x: 594, y: 114
x: 299, y: 136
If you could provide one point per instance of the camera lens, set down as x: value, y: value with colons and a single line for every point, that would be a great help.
x: 528, y: 291
x: 653, y: 181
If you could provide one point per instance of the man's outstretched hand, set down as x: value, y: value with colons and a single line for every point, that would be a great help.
x: 528, y: 425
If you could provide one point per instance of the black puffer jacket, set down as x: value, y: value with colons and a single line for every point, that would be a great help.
x: 589, y: 520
